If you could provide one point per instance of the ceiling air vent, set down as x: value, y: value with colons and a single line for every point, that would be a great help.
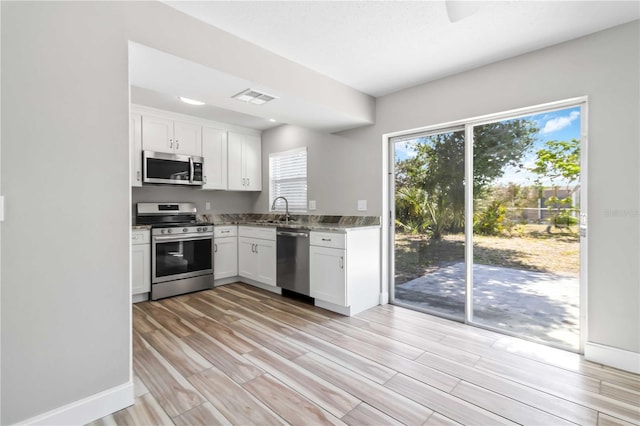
x: 254, y: 97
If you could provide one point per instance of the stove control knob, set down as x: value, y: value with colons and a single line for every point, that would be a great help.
x: 200, y: 229
x: 169, y: 231
x: 185, y: 230
x: 162, y: 231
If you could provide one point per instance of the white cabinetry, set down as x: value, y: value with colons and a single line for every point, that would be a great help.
x: 135, y: 144
x: 245, y: 162
x: 225, y: 251
x: 214, y: 151
x: 257, y: 255
x: 345, y: 270
x: 140, y: 263
x: 163, y: 134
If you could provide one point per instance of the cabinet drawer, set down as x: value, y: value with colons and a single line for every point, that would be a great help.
x: 140, y: 237
x: 328, y: 239
x: 257, y: 232
x: 225, y: 231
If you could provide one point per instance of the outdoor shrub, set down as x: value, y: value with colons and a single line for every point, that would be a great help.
x: 490, y: 221
x: 565, y: 218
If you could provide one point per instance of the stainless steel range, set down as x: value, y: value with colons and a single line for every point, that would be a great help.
x: 181, y: 248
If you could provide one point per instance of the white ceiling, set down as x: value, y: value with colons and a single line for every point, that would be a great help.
x: 379, y: 47
x: 376, y: 47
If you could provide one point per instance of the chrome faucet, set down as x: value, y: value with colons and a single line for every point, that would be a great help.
x: 286, y: 202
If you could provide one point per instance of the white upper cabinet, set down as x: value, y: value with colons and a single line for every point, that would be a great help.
x: 232, y: 154
x: 252, y: 157
x: 157, y: 134
x: 214, y: 151
x: 245, y: 162
x: 188, y: 138
x: 162, y: 134
x: 135, y: 144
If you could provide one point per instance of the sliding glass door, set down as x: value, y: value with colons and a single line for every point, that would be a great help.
x: 504, y: 252
x: 429, y: 222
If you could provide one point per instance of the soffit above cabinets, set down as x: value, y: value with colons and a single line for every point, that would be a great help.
x: 159, y: 78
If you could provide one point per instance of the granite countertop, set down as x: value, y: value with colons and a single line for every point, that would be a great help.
x: 335, y: 227
x: 310, y: 222
x: 140, y: 227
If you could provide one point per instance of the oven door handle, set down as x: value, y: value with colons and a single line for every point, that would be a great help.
x: 183, y: 238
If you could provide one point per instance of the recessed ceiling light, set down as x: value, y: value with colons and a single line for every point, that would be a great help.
x: 191, y: 101
x: 273, y: 120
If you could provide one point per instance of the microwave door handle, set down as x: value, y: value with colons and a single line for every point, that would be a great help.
x: 191, y: 171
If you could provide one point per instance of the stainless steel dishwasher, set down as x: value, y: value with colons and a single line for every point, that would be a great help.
x: 292, y: 270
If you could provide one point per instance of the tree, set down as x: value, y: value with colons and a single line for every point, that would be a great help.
x: 559, y: 160
x: 438, y: 164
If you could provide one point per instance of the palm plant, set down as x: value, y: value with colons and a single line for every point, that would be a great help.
x: 417, y: 212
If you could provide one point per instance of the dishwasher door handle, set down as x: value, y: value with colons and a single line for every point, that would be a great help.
x: 293, y: 234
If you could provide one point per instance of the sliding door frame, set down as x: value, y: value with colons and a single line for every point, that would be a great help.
x: 388, y: 203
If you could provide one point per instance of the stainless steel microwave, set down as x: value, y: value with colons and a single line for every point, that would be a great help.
x: 161, y: 167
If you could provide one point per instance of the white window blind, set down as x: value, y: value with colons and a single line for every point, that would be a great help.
x: 288, y: 178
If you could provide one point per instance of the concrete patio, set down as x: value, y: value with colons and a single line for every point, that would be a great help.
x: 539, y: 305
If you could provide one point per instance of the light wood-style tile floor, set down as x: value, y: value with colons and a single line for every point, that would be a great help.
x: 242, y: 356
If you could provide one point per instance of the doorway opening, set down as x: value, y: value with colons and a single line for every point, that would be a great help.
x: 504, y: 252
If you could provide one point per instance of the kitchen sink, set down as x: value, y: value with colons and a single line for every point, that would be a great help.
x: 278, y: 221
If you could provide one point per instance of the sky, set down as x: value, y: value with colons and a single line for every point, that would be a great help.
x: 561, y: 125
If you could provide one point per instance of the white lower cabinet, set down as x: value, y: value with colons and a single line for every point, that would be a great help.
x: 345, y: 270
x: 140, y: 262
x: 225, y: 251
x: 328, y: 275
x: 257, y: 254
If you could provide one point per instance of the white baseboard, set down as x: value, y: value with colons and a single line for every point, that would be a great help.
x: 384, y: 298
x: 142, y: 297
x: 87, y: 409
x: 271, y: 288
x: 613, y: 357
x: 333, y: 307
x: 225, y: 281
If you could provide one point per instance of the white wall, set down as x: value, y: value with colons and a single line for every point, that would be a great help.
x: 604, y: 67
x: 65, y: 242
x: 221, y: 201
x: 338, y: 169
x: 65, y: 239
x: 64, y: 173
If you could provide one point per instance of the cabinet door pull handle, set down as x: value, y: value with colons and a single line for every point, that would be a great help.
x: 215, y: 248
x: 326, y: 239
x: 256, y: 248
x: 138, y: 175
x: 341, y: 262
x: 170, y: 143
x: 205, y: 179
x: 248, y: 182
x: 177, y: 144
x: 224, y: 232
